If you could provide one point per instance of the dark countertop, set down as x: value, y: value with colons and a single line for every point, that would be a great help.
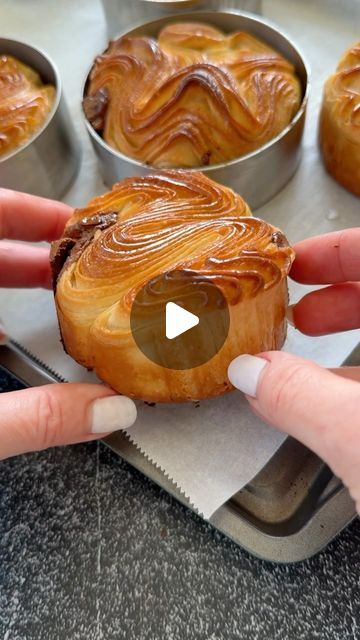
x: 91, y: 549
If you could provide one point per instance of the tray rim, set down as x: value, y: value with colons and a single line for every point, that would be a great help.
x: 310, y: 539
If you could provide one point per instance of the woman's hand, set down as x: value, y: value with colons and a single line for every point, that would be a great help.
x: 54, y: 414
x: 319, y: 407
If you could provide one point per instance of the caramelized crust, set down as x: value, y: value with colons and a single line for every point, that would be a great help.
x: 25, y: 103
x: 193, y: 97
x: 153, y: 225
x: 340, y: 122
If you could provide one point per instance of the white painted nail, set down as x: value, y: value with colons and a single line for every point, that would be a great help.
x: 244, y: 373
x: 112, y: 414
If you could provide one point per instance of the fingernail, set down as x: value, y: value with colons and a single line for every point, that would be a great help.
x: 244, y: 373
x: 112, y: 414
x: 290, y: 314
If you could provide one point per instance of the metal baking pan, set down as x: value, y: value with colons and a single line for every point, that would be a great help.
x: 120, y: 14
x: 49, y: 162
x: 257, y: 176
x: 292, y: 509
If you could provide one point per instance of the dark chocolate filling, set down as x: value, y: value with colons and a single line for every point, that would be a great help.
x: 95, y: 108
x: 279, y: 239
x: 76, y: 237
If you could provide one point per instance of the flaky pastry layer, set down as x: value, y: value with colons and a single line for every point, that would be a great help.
x: 340, y: 122
x: 191, y: 98
x: 25, y: 103
x: 154, y: 225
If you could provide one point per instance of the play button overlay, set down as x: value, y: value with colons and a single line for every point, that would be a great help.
x: 180, y: 319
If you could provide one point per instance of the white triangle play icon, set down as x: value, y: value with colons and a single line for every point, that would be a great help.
x: 178, y: 320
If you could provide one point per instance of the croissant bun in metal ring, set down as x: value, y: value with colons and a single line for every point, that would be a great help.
x: 191, y: 98
x: 167, y: 223
x: 340, y: 122
x: 25, y: 103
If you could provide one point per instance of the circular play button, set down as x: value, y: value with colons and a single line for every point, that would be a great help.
x: 180, y: 319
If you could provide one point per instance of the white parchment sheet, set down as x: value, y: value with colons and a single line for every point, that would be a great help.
x: 213, y: 450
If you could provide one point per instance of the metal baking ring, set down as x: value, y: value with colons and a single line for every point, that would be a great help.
x: 49, y: 162
x: 257, y: 176
x: 120, y: 14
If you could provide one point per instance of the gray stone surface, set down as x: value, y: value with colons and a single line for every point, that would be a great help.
x: 90, y: 549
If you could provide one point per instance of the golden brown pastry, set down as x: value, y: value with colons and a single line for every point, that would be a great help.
x: 154, y: 225
x: 340, y: 122
x: 25, y: 103
x: 193, y: 97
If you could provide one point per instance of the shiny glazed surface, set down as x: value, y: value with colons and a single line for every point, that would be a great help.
x: 174, y: 220
x: 193, y: 97
x: 25, y: 103
x: 171, y: 225
x: 340, y: 121
x: 342, y: 91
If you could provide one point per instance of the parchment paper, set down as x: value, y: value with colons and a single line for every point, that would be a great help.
x: 213, y: 450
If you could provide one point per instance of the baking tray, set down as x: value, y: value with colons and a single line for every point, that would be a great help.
x: 292, y: 509
x: 260, y: 518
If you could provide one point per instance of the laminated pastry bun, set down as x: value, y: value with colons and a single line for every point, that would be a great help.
x: 154, y: 225
x: 25, y: 103
x: 191, y: 98
x: 340, y: 122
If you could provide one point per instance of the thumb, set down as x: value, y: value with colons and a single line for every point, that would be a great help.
x: 314, y: 405
x: 58, y: 414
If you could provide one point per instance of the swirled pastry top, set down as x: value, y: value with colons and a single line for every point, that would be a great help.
x: 25, y: 103
x: 158, y: 224
x: 342, y: 93
x: 193, y: 97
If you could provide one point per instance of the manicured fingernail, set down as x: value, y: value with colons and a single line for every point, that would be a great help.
x: 112, y: 414
x: 290, y: 314
x: 244, y: 373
